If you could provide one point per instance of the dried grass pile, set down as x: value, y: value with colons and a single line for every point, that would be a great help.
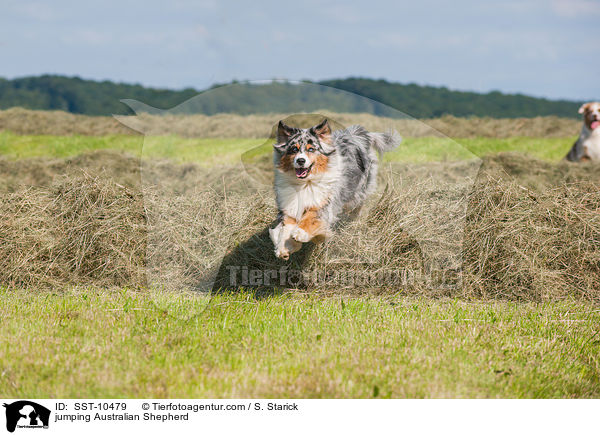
x: 60, y: 123
x: 532, y: 230
x: 77, y: 231
x: 524, y: 244
x: 34, y: 122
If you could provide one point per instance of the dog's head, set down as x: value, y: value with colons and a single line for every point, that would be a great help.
x: 591, y: 115
x: 303, y: 153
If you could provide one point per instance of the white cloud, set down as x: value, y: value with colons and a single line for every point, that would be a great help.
x: 35, y: 10
x: 576, y: 8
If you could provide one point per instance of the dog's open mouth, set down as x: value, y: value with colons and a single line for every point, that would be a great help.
x: 594, y: 125
x: 303, y: 172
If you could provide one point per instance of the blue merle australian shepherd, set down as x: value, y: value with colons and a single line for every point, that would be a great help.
x: 319, y: 175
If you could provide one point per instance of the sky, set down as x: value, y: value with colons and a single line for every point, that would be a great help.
x: 541, y: 48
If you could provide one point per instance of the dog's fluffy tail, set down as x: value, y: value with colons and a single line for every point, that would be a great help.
x: 385, y: 141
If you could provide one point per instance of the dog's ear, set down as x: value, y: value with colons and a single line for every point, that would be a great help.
x: 284, y: 132
x: 583, y: 108
x: 280, y: 146
x: 322, y: 131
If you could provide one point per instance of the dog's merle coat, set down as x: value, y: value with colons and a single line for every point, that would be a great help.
x: 319, y: 175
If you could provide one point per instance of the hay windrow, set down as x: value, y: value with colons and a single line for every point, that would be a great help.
x: 532, y: 228
x: 34, y: 122
x: 77, y: 231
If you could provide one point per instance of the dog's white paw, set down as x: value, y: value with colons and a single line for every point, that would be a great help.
x: 275, y: 234
x: 282, y: 253
x: 299, y: 235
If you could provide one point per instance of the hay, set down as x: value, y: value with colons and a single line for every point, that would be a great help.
x: 523, y: 244
x: 32, y: 122
x: 77, y: 231
x: 532, y: 228
x: 38, y: 172
x: 59, y: 123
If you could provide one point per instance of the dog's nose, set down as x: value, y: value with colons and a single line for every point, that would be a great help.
x: 301, y: 161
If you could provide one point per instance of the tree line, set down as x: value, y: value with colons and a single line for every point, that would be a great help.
x: 76, y: 95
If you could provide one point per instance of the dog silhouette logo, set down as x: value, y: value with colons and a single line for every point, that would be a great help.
x: 26, y: 414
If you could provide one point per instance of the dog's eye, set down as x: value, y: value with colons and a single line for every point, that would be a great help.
x: 292, y: 150
x: 310, y: 149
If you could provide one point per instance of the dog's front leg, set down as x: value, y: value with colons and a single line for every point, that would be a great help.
x: 275, y: 233
x: 282, y: 240
x: 310, y: 227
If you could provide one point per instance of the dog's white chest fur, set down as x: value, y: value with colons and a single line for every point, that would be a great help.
x: 591, y: 143
x: 295, y: 196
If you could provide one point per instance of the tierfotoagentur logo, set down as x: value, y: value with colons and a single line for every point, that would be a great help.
x: 344, y: 278
x: 25, y: 414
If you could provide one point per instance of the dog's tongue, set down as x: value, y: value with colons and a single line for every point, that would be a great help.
x: 301, y: 172
x: 595, y: 125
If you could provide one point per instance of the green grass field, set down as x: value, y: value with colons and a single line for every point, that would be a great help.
x: 210, y: 152
x: 90, y: 343
x: 109, y: 343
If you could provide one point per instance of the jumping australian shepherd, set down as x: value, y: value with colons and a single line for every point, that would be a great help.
x: 319, y: 175
x: 587, y: 146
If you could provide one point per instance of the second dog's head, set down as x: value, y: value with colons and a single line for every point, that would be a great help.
x: 303, y: 152
x: 591, y: 115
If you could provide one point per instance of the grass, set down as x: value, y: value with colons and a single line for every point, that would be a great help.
x: 206, y: 151
x: 433, y: 149
x: 91, y: 343
x: 210, y: 152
